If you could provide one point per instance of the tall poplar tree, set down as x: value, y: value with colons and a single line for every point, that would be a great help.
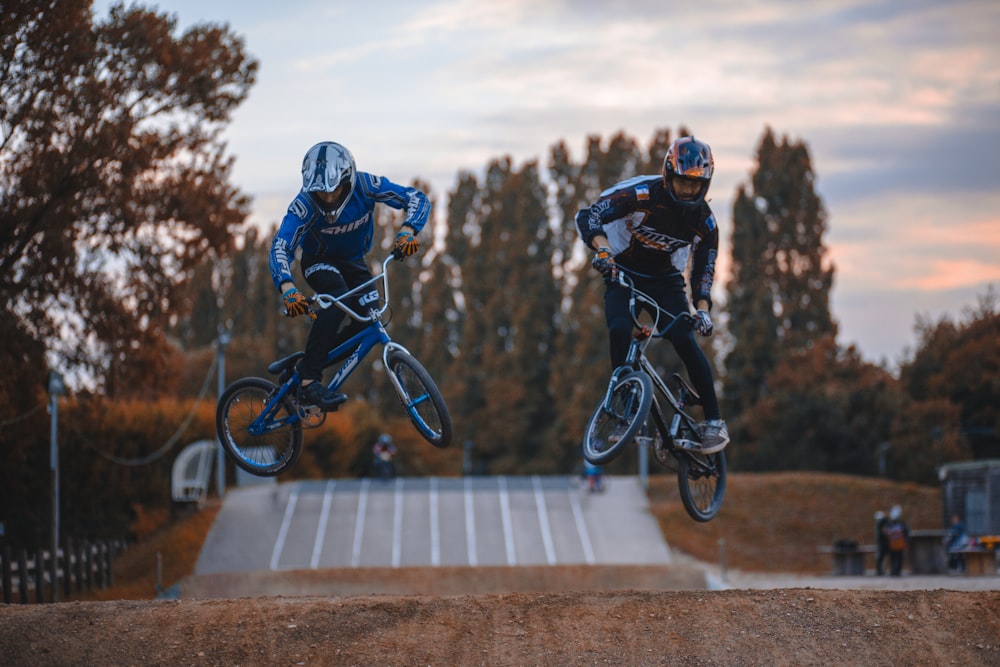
x: 510, y: 299
x: 778, y: 298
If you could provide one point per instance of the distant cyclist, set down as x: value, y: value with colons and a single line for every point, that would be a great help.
x: 384, y: 457
x: 649, y: 227
x: 332, y: 221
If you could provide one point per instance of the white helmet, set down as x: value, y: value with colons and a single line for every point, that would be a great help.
x: 329, y: 167
x: 896, y: 512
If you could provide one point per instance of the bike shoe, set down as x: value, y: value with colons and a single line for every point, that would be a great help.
x: 714, y: 436
x: 316, y: 393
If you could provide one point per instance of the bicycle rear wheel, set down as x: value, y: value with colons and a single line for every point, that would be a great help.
x: 616, y: 422
x: 420, y: 397
x: 271, y: 447
x: 701, y: 480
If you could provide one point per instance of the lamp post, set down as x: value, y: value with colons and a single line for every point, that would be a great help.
x: 56, y: 389
x: 220, y: 468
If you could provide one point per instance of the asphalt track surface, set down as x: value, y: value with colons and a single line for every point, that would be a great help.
x: 432, y: 522
x: 281, y: 532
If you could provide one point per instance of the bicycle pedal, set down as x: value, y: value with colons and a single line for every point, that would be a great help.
x: 311, y: 411
x: 689, y: 445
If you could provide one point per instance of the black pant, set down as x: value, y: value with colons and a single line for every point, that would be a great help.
x: 668, y: 292
x: 328, y: 276
x: 896, y: 563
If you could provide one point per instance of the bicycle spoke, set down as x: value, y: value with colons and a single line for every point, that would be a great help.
x: 261, y: 435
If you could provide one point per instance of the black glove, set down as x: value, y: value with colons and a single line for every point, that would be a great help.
x: 296, y: 303
x: 703, y: 323
x: 605, y: 263
x: 406, y: 243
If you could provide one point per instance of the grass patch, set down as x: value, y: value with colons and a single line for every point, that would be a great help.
x: 774, y: 522
x: 178, y: 544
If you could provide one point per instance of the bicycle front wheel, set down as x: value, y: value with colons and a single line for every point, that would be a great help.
x: 260, y: 436
x: 616, y: 422
x: 420, y: 398
x: 701, y: 480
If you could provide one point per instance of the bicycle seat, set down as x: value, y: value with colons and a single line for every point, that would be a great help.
x: 285, y: 362
x: 692, y: 397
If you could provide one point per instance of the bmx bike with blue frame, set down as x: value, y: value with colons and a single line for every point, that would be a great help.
x: 260, y: 422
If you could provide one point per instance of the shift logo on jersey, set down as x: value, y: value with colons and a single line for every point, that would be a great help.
x: 412, y: 206
x: 343, y: 229
x: 371, y: 297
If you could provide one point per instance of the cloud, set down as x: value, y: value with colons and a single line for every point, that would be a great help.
x: 898, y: 101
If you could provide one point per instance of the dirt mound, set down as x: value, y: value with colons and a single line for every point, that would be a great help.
x: 736, y: 627
x: 444, y: 580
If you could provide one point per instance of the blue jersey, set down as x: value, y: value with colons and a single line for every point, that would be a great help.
x: 347, y: 236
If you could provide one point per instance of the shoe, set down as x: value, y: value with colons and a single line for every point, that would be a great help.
x: 714, y: 436
x: 316, y: 393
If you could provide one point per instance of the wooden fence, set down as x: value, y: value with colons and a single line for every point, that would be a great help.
x: 34, y: 576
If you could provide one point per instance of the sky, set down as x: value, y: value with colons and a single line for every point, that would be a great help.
x: 898, y: 102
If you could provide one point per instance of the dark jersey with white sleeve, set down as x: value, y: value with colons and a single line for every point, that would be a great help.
x: 652, y: 235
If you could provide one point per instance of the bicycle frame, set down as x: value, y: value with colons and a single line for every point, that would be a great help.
x: 357, y: 347
x: 636, y: 359
x: 630, y: 403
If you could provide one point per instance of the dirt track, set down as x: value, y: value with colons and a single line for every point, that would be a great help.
x: 793, y: 626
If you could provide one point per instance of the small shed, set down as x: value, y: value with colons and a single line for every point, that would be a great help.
x: 192, y: 471
x: 971, y: 489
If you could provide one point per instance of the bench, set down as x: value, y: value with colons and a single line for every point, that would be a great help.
x: 849, y: 560
x: 985, y: 560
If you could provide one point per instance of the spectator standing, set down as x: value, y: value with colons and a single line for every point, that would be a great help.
x: 956, y: 539
x: 898, y: 534
x: 881, y: 542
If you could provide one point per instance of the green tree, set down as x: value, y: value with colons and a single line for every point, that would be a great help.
x: 749, y: 310
x: 960, y: 362
x: 511, y: 301
x: 778, y: 299
x: 115, y: 183
x: 826, y: 410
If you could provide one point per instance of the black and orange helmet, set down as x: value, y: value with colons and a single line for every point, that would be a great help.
x: 689, y: 159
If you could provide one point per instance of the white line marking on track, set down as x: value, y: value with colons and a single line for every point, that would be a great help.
x: 324, y: 517
x: 470, y: 525
x: 543, y: 520
x: 359, y: 523
x: 397, y: 524
x: 508, y: 529
x: 581, y: 526
x: 435, y: 530
x: 279, y: 544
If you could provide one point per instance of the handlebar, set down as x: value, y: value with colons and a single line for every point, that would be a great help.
x: 638, y: 295
x: 327, y: 300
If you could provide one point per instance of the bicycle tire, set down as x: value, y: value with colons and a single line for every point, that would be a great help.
x: 265, y: 455
x: 421, y: 399
x: 701, y: 480
x: 614, y: 425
